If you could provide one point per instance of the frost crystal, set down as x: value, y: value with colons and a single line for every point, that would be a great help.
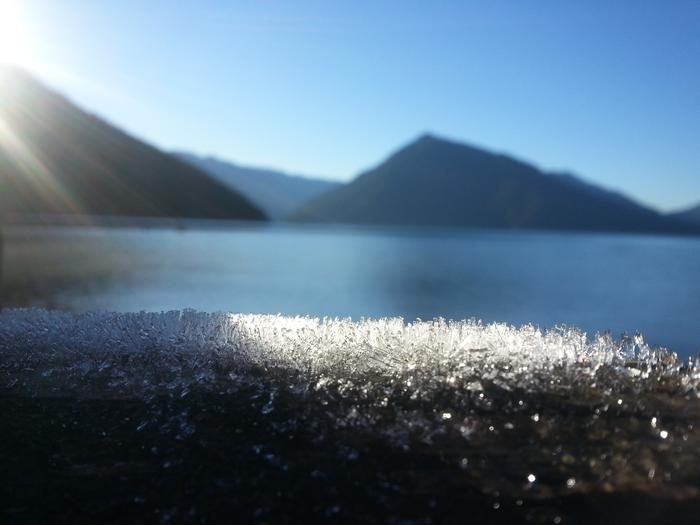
x: 544, y: 400
x: 174, y: 351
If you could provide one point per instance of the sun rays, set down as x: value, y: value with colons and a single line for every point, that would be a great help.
x: 21, y: 168
x: 15, y: 42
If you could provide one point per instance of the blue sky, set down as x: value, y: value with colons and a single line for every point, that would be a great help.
x: 607, y: 90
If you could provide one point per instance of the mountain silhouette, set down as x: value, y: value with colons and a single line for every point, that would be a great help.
x: 56, y: 158
x: 436, y: 182
x: 278, y: 194
x: 690, y: 216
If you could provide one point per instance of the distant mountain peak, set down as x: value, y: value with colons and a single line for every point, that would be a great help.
x: 444, y: 144
x: 433, y: 181
x: 427, y: 137
x: 279, y: 194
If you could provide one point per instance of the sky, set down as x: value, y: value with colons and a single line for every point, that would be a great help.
x: 607, y: 90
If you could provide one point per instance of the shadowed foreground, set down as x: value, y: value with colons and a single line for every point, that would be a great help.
x: 186, y: 417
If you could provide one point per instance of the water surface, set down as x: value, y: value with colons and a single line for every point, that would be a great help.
x: 617, y: 283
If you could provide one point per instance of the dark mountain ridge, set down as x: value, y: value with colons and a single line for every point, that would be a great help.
x: 57, y: 159
x: 436, y: 182
x: 689, y: 216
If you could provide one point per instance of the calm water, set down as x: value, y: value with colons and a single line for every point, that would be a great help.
x: 596, y: 282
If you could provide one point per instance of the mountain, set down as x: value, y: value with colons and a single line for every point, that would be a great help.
x: 55, y: 158
x: 691, y: 216
x: 278, y: 194
x: 436, y: 182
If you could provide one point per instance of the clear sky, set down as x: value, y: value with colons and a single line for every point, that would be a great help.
x: 609, y: 90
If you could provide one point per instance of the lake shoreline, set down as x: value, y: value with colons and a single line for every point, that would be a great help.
x: 173, y: 223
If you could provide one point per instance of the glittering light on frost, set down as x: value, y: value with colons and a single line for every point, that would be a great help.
x: 192, y: 348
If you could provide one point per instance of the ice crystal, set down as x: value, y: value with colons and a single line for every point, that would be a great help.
x: 467, y: 389
x: 177, y: 349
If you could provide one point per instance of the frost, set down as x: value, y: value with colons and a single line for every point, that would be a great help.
x: 173, y: 352
x: 543, y: 399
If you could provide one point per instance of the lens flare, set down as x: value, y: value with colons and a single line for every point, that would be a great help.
x: 14, y: 42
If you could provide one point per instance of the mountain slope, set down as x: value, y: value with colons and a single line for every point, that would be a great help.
x: 276, y: 193
x: 435, y: 182
x: 691, y: 216
x: 57, y: 159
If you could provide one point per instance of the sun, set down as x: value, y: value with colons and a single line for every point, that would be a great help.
x: 14, y: 42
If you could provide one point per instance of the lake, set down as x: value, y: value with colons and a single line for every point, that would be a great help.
x: 617, y: 283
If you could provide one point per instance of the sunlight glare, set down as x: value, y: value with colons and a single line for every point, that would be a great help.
x: 14, y: 43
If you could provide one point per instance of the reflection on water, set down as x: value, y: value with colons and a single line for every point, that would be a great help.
x: 596, y: 282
